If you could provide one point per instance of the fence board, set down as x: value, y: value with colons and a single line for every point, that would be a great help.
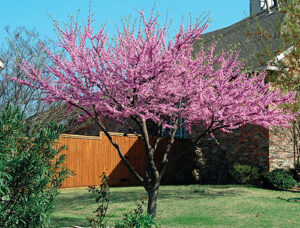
x: 88, y: 157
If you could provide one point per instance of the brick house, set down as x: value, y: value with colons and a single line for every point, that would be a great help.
x: 252, y: 145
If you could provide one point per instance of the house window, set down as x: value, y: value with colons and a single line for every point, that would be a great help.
x: 181, y: 132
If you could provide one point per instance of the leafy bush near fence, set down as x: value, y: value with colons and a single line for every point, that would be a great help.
x: 244, y: 174
x: 279, y: 179
x: 30, y: 171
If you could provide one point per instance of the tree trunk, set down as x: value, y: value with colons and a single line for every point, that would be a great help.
x: 152, y: 199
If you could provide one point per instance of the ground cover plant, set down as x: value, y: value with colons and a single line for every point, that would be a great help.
x: 189, y: 206
x: 30, y: 171
x: 148, y: 83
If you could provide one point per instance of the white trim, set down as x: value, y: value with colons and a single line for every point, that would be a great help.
x: 279, y: 57
x: 274, y: 68
x: 1, y: 64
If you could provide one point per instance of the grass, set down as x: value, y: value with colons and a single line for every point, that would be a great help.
x: 189, y: 206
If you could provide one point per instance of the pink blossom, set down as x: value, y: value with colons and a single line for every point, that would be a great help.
x: 145, y: 75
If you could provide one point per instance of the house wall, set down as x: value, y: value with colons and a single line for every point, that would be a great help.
x: 281, y: 149
x: 248, y: 145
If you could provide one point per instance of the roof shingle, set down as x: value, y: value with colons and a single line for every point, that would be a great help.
x: 240, y: 37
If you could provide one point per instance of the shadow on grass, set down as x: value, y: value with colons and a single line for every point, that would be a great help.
x: 295, y: 200
x: 219, y: 186
x: 208, y: 193
x: 136, y: 193
x: 85, y: 198
x: 176, y: 192
x: 66, y: 221
x: 67, y: 201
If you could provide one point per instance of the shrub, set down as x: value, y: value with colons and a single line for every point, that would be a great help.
x: 102, y: 198
x: 244, y: 174
x: 30, y: 171
x: 137, y: 219
x: 198, y: 189
x: 279, y: 179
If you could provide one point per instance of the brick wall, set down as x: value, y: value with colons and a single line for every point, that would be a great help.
x: 252, y: 145
x: 247, y: 145
x: 281, y: 150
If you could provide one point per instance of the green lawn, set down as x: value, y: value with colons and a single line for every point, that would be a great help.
x: 190, y: 206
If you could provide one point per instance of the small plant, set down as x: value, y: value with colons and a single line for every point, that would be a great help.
x: 102, y: 198
x: 198, y: 190
x: 244, y: 174
x: 137, y: 218
x: 279, y: 179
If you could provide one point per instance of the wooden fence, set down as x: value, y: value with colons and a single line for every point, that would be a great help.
x: 89, y: 156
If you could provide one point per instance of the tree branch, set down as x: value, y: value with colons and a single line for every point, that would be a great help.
x: 168, y: 148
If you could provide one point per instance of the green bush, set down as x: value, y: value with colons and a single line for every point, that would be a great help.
x: 30, y: 171
x: 244, y: 174
x: 279, y: 179
x: 137, y: 219
x: 141, y: 221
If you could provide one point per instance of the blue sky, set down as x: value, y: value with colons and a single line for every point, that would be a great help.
x: 34, y: 13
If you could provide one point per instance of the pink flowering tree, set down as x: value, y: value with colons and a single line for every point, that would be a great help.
x: 143, y: 78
